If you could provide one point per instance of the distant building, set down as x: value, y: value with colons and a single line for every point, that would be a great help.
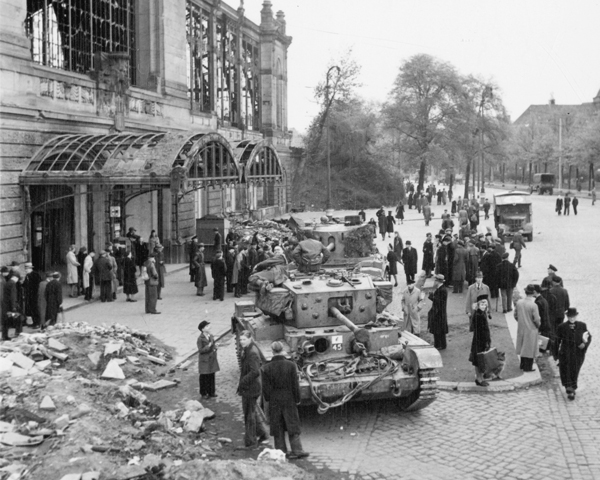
x: 135, y: 113
x: 550, y: 112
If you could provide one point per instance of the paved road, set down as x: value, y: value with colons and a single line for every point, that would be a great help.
x: 534, y: 433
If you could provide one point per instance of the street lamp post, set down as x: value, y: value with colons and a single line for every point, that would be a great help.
x: 327, y: 106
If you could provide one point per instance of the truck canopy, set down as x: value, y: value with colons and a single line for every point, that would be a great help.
x: 512, y: 198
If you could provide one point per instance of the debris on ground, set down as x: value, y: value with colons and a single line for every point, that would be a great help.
x: 263, y: 230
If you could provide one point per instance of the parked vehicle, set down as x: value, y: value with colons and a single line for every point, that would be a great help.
x: 543, y: 182
x: 513, y: 212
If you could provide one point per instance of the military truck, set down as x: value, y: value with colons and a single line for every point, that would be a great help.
x: 513, y: 212
x: 344, y: 350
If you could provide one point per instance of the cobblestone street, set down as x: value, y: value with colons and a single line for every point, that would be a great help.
x: 533, y: 433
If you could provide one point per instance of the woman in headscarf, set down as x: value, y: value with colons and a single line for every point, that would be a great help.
x: 481, y: 338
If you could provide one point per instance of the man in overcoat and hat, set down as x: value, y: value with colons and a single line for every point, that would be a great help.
x: 54, y: 299
x: 410, y: 260
x: 437, y: 318
x: 412, y: 302
x: 281, y: 388
x: 508, y: 276
x: 573, y: 341
x: 528, y: 316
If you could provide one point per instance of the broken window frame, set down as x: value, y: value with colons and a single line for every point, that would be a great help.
x: 199, y: 39
x: 227, y: 104
x: 250, y: 84
x: 65, y: 34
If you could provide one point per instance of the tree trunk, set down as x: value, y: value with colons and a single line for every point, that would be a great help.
x: 466, y: 194
x: 421, y: 175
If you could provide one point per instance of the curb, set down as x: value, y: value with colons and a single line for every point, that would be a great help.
x: 526, y: 380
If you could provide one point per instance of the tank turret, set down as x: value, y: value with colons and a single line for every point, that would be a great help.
x: 344, y: 349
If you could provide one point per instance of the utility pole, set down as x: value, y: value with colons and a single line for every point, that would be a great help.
x: 328, y: 103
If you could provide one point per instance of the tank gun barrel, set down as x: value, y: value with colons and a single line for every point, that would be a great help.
x: 342, y: 318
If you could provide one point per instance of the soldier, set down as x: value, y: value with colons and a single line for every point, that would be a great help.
x: 309, y: 254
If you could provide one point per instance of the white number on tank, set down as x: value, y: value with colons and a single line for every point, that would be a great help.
x: 336, y: 342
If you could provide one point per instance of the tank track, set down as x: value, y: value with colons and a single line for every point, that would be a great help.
x: 427, y: 392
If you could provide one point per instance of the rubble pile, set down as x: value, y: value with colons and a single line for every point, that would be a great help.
x: 262, y: 229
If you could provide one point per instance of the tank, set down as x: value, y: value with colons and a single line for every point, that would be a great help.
x: 344, y: 350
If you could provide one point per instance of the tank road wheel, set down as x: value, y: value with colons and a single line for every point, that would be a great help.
x: 424, y: 395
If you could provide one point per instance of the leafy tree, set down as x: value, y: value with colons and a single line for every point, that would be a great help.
x: 426, y: 96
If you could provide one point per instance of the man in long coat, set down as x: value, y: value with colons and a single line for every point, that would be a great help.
x: 104, y: 268
x: 72, y: 273
x: 412, y: 301
x: 208, y: 364
x: 547, y: 281
x: 562, y: 300
x: 508, y: 276
x: 398, y: 245
x: 544, y: 311
x: 528, y: 316
x: 427, y: 214
x: 573, y: 341
x: 472, y: 260
x: 437, y: 318
x: 551, y: 300
x: 382, y: 222
x: 410, y: 259
x: 249, y: 388
x: 428, y: 259
x: 54, y: 299
x: 281, y: 389
x: 459, y: 269
x: 42, y: 298
x: 390, y: 222
x: 488, y: 264
x: 219, y: 272
x: 31, y: 285
x: 229, y: 262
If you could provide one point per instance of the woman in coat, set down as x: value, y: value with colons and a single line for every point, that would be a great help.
x: 400, y: 211
x: 130, y: 287
x: 481, y: 338
x: 381, y: 220
x: 398, y: 245
x: 528, y: 316
x: 199, y: 266
x: 573, y: 341
x: 153, y: 241
x: 208, y: 364
x: 392, y: 264
x: 390, y: 223
x: 72, y: 276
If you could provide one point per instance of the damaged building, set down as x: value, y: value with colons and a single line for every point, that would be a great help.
x: 128, y: 113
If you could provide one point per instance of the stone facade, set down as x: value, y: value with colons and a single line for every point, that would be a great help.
x: 147, y: 87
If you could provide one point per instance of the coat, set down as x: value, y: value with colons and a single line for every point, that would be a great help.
x: 198, y: 265
x: 251, y: 361
x: 507, y: 275
x: 488, y: 264
x: 113, y: 273
x: 481, y: 336
x: 398, y: 246
x: 104, y: 267
x: 381, y: 219
x: 53, y: 296
x: 570, y: 356
x: 392, y: 262
x: 88, y: 263
x: 428, y: 262
x: 72, y: 264
x: 412, y: 302
x: 459, y: 270
x: 427, y: 213
x: 437, y: 318
x: 152, y: 273
x: 281, y: 388
x: 400, y: 212
x: 218, y: 269
x: 129, y: 277
x: 390, y: 223
x: 207, y: 354
x: 42, y: 300
x: 528, y: 316
x: 410, y: 258
x: 544, y: 311
x: 31, y: 284
x: 237, y: 268
x: 562, y: 301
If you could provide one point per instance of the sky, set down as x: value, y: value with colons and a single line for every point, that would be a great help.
x: 533, y: 50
